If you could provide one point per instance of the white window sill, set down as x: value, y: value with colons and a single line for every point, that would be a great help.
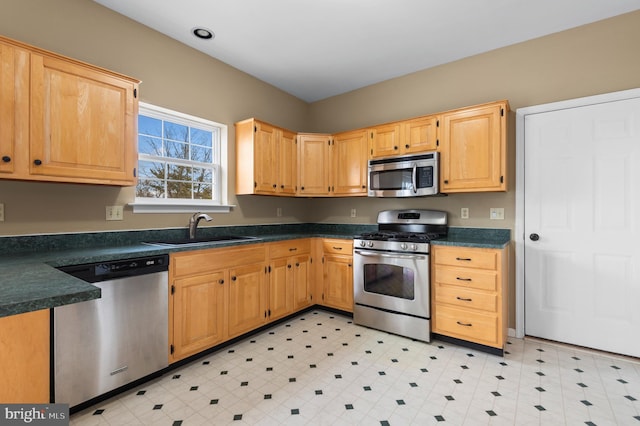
x: 179, y: 208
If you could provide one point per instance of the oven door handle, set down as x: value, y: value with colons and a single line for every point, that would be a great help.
x: 393, y: 256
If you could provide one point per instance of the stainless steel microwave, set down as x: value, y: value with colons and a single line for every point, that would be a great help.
x: 406, y: 176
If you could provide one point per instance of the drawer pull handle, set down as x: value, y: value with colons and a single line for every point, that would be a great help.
x: 337, y: 248
x: 463, y: 324
x: 466, y: 259
x: 464, y: 299
x: 293, y: 249
x: 463, y: 279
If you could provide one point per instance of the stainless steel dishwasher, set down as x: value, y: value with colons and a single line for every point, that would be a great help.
x: 103, y: 344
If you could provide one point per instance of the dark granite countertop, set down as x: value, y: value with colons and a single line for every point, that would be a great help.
x: 29, y: 280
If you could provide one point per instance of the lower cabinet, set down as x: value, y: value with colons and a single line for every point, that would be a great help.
x: 218, y: 294
x: 469, y: 294
x: 24, y: 356
x: 337, y: 260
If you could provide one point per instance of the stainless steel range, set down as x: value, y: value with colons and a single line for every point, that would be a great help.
x: 391, y: 272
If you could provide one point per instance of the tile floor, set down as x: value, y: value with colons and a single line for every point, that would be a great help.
x: 321, y: 369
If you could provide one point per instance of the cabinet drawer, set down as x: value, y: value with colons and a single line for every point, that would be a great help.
x: 467, y: 277
x: 338, y: 247
x: 200, y: 261
x: 466, y: 298
x: 289, y: 248
x: 473, y: 326
x: 467, y: 257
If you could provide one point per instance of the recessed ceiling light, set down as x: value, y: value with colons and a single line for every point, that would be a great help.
x: 203, y: 33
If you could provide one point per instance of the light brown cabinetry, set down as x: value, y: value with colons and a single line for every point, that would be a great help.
x: 404, y: 137
x: 82, y: 120
x: 314, y: 164
x: 469, y: 294
x: 289, y: 277
x: 349, y: 163
x: 473, y: 149
x: 215, y: 294
x: 266, y: 159
x: 337, y: 274
x: 24, y: 356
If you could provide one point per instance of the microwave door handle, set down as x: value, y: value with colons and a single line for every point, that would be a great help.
x: 413, y: 178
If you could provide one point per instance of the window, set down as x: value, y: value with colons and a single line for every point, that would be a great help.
x: 181, y: 162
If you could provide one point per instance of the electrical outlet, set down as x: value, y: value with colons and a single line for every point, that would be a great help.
x: 464, y: 213
x: 353, y: 212
x: 114, y: 213
x: 496, y: 213
x: 279, y: 211
x: 1, y: 212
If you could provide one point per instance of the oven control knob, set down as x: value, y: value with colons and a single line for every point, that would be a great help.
x: 362, y: 243
x: 414, y: 247
x: 403, y: 246
x: 370, y: 243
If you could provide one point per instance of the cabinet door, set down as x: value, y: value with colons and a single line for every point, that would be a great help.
x: 198, y: 313
x: 247, y: 298
x: 280, y: 288
x: 473, y: 149
x: 265, y: 158
x: 313, y: 164
x: 385, y: 140
x: 14, y: 110
x: 25, y: 357
x: 288, y: 163
x: 338, y: 282
x: 419, y: 135
x: 83, y: 123
x: 300, y: 272
x: 349, y: 163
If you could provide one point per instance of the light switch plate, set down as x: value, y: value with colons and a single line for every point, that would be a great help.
x: 1, y: 212
x: 464, y: 213
x: 496, y: 213
x: 114, y: 213
x: 353, y: 212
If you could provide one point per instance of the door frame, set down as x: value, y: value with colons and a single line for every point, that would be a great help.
x: 519, y: 236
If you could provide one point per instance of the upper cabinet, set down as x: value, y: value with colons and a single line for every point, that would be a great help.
x: 266, y: 159
x: 473, y: 149
x: 314, y: 154
x: 472, y: 143
x: 404, y: 137
x: 349, y: 163
x: 70, y: 121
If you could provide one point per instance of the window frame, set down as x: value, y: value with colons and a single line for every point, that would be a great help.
x: 157, y: 205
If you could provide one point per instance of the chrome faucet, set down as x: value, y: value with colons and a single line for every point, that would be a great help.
x: 193, y: 223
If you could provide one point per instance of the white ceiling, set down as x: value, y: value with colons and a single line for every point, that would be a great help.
x: 314, y: 49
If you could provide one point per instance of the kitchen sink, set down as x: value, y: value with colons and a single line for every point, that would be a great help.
x: 201, y: 240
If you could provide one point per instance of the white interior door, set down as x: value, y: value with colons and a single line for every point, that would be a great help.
x: 582, y: 200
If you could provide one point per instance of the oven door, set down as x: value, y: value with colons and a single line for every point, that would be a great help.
x: 397, y: 282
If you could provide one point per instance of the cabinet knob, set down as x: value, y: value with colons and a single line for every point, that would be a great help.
x: 234, y: 278
x: 407, y: 146
x: 220, y: 281
x: 6, y: 159
x: 274, y: 185
x: 282, y: 186
x: 289, y: 266
x: 446, y: 181
x: 297, y: 264
x: 534, y: 237
x: 302, y: 188
x: 37, y: 162
x: 395, y: 147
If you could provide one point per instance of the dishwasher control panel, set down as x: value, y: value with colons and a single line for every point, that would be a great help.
x: 102, y: 271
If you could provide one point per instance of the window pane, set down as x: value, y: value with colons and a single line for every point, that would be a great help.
x: 149, y: 126
x: 176, y: 172
x: 201, y: 137
x: 178, y: 189
x: 201, y: 154
x: 149, y: 145
x: 176, y: 150
x: 176, y: 132
x: 150, y: 188
x: 151, y: 169
x: 202, y: 191
x: 202, y: 175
